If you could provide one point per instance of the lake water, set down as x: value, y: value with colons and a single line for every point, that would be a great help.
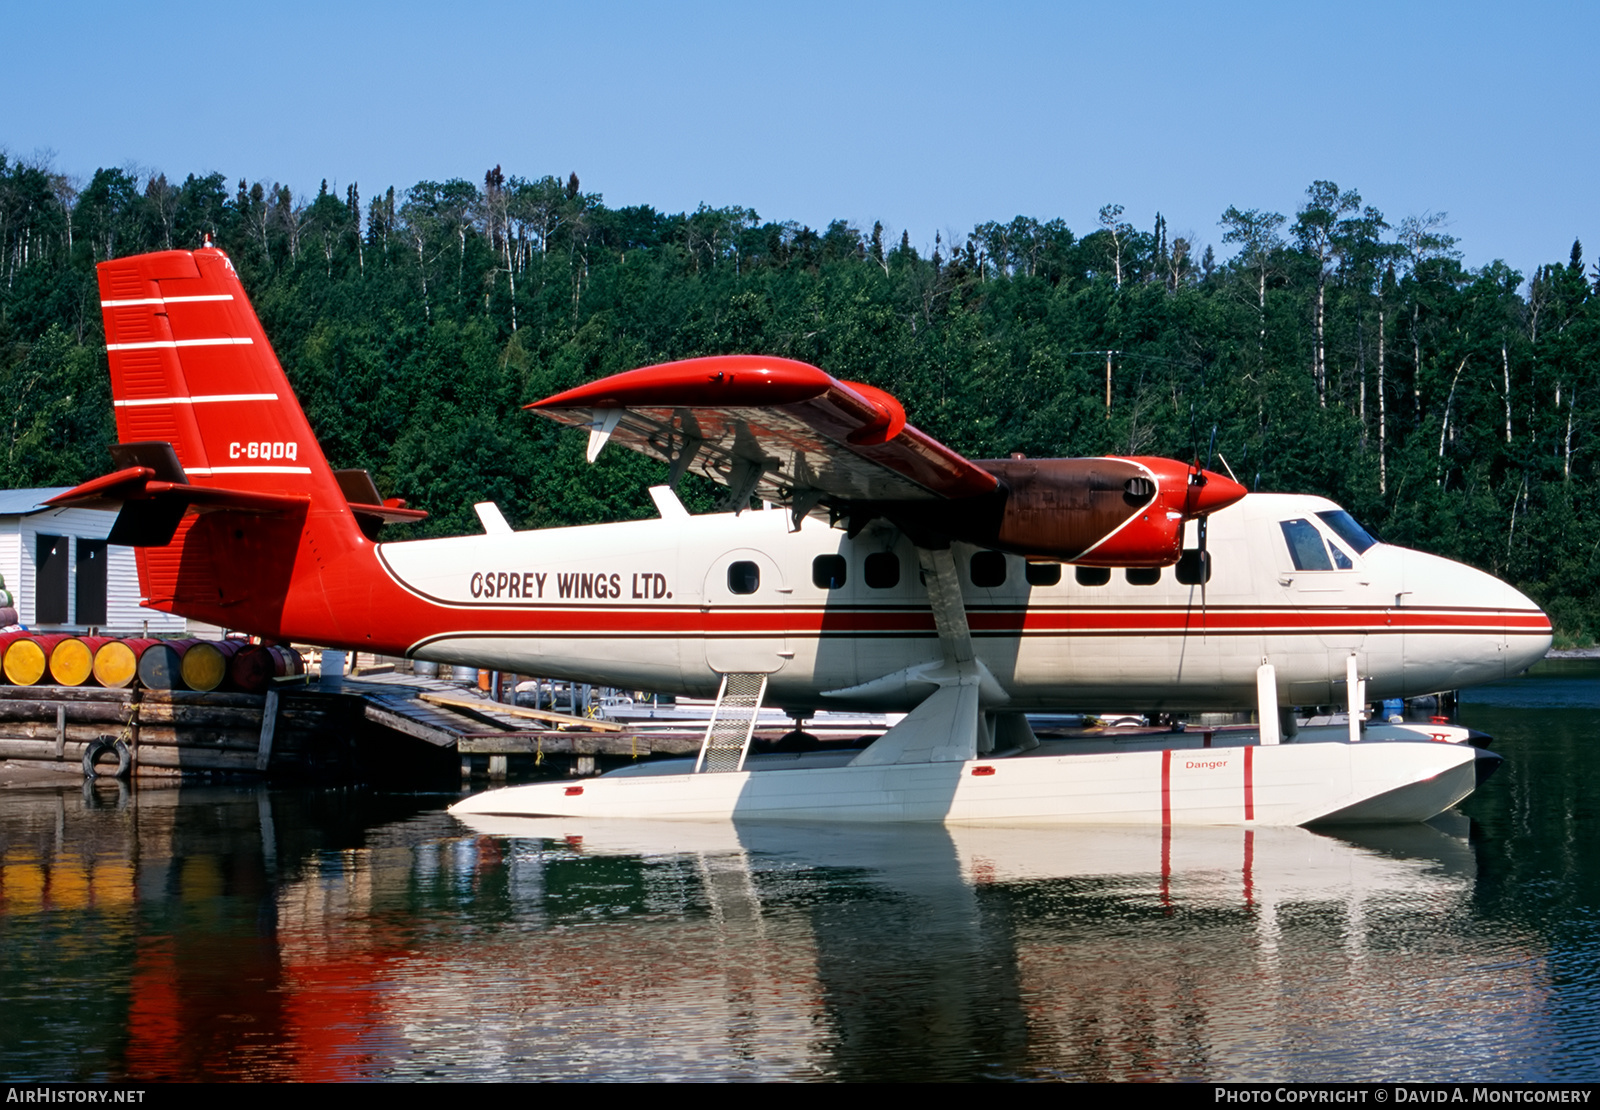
x: 223, y: 933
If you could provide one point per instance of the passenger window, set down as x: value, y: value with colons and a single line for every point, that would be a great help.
x: 827, y: 572
x: 744, y: 577
x: 1092, y: 576
x: 883, y: 570
x: 1143, y: 576
x: 988, y: 570
x: 1043, y: 574
x: 1305, y: 545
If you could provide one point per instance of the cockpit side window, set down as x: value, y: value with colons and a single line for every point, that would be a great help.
x: 1340, y: 559
x: 1345, y: 527
x: 1305, y: 545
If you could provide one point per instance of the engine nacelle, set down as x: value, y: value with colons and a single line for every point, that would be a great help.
x: 1103, y: 512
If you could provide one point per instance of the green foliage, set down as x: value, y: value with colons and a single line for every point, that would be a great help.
x: 1451, y: 409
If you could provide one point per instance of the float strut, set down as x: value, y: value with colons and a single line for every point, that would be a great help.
x: 1267, y: 703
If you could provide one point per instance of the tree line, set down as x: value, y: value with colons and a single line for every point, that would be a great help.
x: 1335, y: 351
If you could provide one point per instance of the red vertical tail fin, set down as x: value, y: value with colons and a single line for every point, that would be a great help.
x: 190, y: 366
x: 224, y: 490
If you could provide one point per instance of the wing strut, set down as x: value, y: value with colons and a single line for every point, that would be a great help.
x: 956, y: 722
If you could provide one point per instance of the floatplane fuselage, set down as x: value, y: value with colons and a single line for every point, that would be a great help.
x: 894, y: 575
x: 672, y: 604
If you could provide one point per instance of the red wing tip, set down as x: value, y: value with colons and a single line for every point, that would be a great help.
x: 716, y: 381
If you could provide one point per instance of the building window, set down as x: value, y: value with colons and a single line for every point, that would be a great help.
x: 827, y: 572
x: 50, y: 580
x: 90, y: 585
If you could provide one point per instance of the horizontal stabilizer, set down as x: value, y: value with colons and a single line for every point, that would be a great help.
x: 152, y: 507
x: 372, y: 509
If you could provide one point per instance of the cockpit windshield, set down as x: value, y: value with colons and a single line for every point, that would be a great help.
x: 1345, y: 527
x: 1305, y: 545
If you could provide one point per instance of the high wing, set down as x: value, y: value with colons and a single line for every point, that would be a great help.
x: 796, y: 436
x: 773, y: 427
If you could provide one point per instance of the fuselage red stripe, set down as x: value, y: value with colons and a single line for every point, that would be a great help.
x: 600, y: 621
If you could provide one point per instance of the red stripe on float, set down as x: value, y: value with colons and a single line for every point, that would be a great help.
x: 1249, y: 784
x: 1166, y: 786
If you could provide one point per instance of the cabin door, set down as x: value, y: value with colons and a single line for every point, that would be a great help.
x: 745, y: 613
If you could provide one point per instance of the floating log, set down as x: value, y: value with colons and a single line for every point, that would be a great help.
x: 76, y: 712
x: 70, y: 752
x: 65, y: 693
x: 197, y: 759
x: 199, y: 716
x: 199, y: 697
x: 210, y: 739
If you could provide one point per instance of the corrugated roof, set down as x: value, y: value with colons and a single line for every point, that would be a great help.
x: 21, y: 502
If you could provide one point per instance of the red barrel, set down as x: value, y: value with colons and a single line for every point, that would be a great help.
x: 253, y: 668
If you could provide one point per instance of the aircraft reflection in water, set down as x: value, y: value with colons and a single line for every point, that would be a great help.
x: 224, y: 934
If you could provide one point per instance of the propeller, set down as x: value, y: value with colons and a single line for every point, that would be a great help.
x: 1194, y: 567
x: 1196, y: 570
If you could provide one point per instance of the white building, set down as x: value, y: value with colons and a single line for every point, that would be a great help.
x: 62, y: 574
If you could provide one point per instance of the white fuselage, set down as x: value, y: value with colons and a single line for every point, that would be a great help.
x: 660, y: 605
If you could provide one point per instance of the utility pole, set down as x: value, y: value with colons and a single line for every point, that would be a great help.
x: 1108, y: 355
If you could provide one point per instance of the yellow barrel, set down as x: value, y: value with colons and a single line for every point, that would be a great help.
x: 27, y: 659
x: 116, y: 664
x: 205, y: 666
x: 72, y: 660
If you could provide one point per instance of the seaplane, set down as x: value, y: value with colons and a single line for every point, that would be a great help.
x: 891, y: 574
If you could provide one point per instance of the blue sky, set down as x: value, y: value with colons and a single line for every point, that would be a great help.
x: 929, y: 117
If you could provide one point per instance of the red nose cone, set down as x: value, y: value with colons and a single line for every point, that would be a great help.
x: 1218, y: 492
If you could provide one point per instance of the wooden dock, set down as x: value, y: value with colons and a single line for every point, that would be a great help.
x: 375, y: 726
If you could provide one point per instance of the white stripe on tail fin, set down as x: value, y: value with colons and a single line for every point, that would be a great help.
x: 190, y: 366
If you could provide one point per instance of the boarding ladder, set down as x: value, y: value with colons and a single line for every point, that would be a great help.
x: 733, y: 721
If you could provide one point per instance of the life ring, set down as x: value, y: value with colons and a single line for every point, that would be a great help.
x: 100, y: 747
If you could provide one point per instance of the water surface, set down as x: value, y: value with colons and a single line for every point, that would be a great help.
x: 228, y: 933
